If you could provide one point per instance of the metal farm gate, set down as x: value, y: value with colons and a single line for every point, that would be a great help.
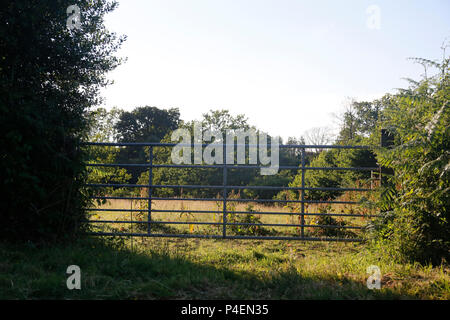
x: 223, y: 229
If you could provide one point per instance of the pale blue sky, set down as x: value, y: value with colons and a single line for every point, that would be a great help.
x: 287, y: 65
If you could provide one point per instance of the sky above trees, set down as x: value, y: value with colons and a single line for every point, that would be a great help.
x: 287, y: 65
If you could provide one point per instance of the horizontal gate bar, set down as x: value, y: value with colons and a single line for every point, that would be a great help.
x: 228, y: 224
x: 220, y: 199
x: 229, y: 166
x: 242, y: 212
x: 100, y: 185
x: 159, y: 235
x: 160, y: 144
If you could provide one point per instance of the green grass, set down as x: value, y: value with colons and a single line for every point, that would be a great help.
x: 211, y: 269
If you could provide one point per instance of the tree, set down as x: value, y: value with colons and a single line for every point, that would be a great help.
x: 218, y: 120
x: 319, y: 178
x: 102, y: 129
x: 292, y: 155
x: 102, y: 124
x: 49, y: 77
x: 417, y: 195
x: 146, y: 124
x: 347, y: 123
x: 360, y: 118
x: 221, y: 120
x: 318, y: 136
x: 143, y: 124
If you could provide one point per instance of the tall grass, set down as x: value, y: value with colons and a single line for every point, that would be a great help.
x: 291, y: 216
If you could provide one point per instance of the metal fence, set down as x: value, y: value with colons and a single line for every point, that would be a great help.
x: 153, y: 226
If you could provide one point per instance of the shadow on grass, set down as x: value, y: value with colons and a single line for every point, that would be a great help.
x: 110, y: 271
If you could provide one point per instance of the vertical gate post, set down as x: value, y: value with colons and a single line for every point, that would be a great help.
x: 303, y: 194
x: 224, y: 216
x: 150, y: 182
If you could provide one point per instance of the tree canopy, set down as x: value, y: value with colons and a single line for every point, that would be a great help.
x: 49, y: 77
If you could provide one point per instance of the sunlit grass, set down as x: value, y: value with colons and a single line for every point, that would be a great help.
x: 292, y: 216
x: 155, y: 268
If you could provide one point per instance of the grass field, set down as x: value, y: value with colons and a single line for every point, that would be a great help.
x: 290, y: 218
x: 174, y: 268
x: 212, y: 269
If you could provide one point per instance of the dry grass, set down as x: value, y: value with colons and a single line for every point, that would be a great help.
x: 291, y: 217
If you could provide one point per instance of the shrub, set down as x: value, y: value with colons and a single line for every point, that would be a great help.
x: 250, y: 217
x: 49, y: 77
x: 333, y: 231
x: 335, y: 178
x: 416, y: 196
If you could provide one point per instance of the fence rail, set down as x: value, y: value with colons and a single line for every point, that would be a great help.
x: 224, y: 189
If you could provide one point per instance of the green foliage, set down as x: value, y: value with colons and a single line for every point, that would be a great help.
x: 334, y: 227
x: 102, y: 124
x: 320, y: 178
x: 241, y: 223
x: 279, y: 180
x: 106, y: 175
x: 146, y: 124
x: 49, y: 77
x: 417, y: 196
x: 246, y: 219
x: 143, y: 124
x: 101, y: 129
x: 220, y: 120
x: 360, y: 118
x: 179, y: 176
x: 335, y: 178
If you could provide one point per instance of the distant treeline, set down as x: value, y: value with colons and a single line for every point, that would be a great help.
x: 151, y: 124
